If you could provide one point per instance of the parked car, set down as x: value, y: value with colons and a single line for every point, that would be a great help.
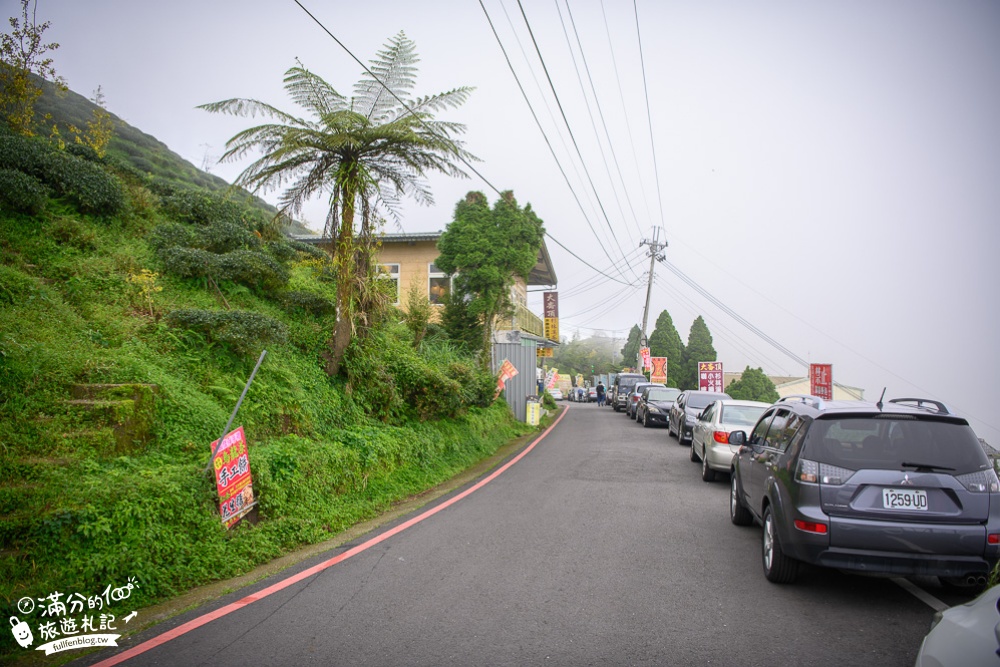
x: 685, y: 410
x: 710, y: 437
x: 556, y: 393
x: 591, y: 394
x: 654, y: 404
x: 901, y: 488
x: 633, y: 397
x: 966, y: 634
x: 622, y: 386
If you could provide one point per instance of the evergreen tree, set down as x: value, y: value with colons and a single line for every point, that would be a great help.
x: 487, y: 248
x: 631, y: 349
x: 753, y: 385
x: 699, y: 348
x: 666, y: 342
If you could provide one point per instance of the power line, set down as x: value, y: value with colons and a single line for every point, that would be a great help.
x: 569, y: 128
x: 428, y: 128
x: 520, y: 87
x: 649, y: 115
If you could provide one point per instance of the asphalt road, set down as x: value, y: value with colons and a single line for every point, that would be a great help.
x: 602, y: 546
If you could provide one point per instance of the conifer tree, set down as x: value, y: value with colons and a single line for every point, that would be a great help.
x: 666, y: 342
x: 699, y: 348
x: 753, y: 385
x: 631, y: 349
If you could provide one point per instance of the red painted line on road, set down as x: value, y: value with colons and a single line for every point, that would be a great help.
x: 305, y: 574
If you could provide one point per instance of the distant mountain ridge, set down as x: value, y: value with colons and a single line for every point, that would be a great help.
x: 143, y: 151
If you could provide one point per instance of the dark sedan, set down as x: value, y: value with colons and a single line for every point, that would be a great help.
x: 685, y: 410
x: 655, y: 405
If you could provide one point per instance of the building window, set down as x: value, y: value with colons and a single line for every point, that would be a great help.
x: 391, y: 272
x: 438, y: 285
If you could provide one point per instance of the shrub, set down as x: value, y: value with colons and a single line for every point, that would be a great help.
x: 226, y: 236
x: 190, y: 262
x: 22, y: 193
x: 252, y: 268
x: 89, y: 187
x: 314, y: 304
x: 308, y: 249
x: 245, y: 331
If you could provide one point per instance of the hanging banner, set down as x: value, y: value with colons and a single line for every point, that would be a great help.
x: 507, y: 371
x: 550, y: 311
x: 644, y: 358
x: 821, y: 381
x: 658, y: 372
x: 232, y: 477
x: 710, y: 376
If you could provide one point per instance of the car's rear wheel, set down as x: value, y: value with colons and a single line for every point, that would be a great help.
x: 738, y: 514
x: 778, y: 568
x: 693, y: 455
x: 707, y: 474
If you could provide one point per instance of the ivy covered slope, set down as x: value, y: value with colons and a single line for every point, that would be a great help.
x: 132, y: 311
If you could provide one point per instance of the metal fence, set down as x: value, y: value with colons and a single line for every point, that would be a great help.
x: 519, y: 348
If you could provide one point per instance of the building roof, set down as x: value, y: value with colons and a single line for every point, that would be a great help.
x: 542, y: 273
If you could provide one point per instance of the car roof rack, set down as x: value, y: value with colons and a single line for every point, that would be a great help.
x: 923, y: 404
x: 815, y: 401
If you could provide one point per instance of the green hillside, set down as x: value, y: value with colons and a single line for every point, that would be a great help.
x: 140, y: 150
x: 136, y: 295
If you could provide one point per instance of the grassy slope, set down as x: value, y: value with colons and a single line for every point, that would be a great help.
x: 79, y: 510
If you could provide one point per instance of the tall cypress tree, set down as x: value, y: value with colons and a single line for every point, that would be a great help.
x: 699, y: 348
x: 666, y: 342
x: 631, y: 349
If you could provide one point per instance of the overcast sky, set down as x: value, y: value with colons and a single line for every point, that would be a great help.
x: 830, y: 171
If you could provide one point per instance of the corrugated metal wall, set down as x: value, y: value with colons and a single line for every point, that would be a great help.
x: 520, y: 350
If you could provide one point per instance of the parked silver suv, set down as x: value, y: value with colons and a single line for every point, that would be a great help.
x: 902, y: 488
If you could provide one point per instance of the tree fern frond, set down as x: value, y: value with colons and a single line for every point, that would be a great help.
x: 311, y: 92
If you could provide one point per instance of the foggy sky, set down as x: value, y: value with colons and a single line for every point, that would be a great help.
x: 827, y: 170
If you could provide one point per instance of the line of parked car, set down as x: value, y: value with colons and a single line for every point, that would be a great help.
x: 896, y: 488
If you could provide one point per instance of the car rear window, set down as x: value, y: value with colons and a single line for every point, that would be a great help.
x: 743, y: 415
x: 699, y: 401
x: 886, y: 442
x: 661, y: 394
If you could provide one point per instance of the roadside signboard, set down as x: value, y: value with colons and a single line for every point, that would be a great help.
x: 821, y: 381
x: 710, y: 376
x: 232, y: 477
x: 550, y: 304
x: 659, y: 369
x: 644, y: 355
x: 543, y: 352
x: 507, y: 371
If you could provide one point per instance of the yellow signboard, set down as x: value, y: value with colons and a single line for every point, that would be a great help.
x: 552, y: 328
x: 543, y: 352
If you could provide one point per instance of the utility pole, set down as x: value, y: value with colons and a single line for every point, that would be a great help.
x: 655, y: 246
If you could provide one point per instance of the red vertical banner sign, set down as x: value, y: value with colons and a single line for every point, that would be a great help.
x: 507, y: 371
x: 659, y: 369
x: 644, y: 355
x: 821, y: 381
x: 550, y: 306
x: 232, y: 477
x: 710, y: 376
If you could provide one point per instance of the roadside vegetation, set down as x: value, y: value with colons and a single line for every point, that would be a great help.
x: 134, y: 303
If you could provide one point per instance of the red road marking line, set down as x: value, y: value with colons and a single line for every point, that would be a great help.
x: 295, y: 578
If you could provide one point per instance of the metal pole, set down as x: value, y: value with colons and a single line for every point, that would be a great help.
x: 235, y: 410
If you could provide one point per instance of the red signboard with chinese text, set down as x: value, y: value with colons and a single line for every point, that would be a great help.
x: 710, y: 377
x: 821, y: 381
x: 658, y: 373
x: 507, y: 371
x: 232, y: 477
x: 644, y: 355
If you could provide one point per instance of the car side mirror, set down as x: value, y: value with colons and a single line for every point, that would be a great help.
x: 738, y: 439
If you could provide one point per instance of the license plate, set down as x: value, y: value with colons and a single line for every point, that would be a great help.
x: 904, y: 499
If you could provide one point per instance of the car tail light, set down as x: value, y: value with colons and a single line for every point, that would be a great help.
x: 721, y: 436
x: 993, y: 538
x: 984, y: 481
x: 821, y: 473
x: 810, y: 527
x: 807, y: 471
